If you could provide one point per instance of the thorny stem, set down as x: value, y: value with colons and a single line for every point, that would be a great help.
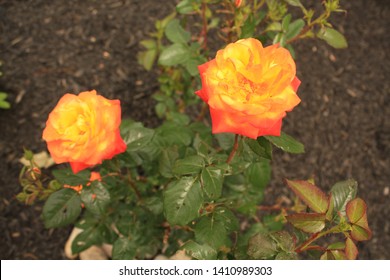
x: 134, y: 187
x: 305, y: 245
x: 234, y: 150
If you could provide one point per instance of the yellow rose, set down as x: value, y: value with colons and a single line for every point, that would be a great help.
x: 84, y: 130
x: 249, y: 88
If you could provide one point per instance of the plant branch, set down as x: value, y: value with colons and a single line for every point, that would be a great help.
x: 234, y: 150
x: 134, y: 187
x: 305, y: 245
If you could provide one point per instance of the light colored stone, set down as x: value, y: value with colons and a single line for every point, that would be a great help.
x: 180, y: 255
x: 107, y: 248
x: 93, y: 253
x: 160, y: 258
x: 42, y: 160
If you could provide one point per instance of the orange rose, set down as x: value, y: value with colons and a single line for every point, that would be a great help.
x: 238, y: 3
x: 249, y: 88
x: 84, y: 130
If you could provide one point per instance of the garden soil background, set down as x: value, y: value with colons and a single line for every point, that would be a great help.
x: 49, y: 48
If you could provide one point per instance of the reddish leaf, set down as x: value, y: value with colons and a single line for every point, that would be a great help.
x: 333, y: 255
x: 339, y: 255
x: 357, y: 214
x: 329, y: 213
x: 327, y: 256
x: 307, y: 222
x: 336, y: 246
x: 310, y: 194
x: 359, y: 233
x: 356, y: 209
x: 351, y: 251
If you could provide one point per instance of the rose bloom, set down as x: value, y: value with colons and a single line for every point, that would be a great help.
x: 238, y: 3
x: 249, y: 88
x: 84, y: 130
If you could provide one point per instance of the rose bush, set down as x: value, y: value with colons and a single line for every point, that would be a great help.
x: 249, y: 88
x: 177, y: 187
x: 84, y: 130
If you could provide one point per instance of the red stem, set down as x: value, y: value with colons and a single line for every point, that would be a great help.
x: 233, y: 152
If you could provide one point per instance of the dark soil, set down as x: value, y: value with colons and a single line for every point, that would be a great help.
x: 49, y: 48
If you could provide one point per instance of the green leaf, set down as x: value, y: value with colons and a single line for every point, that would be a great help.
x: 161, y: 24
x: 173, y: 134
x: 248, y: 28
x: 226, y: 218
x: 274, y: 26
x: 342, y: 193
x: 124, y: 249
x: 149, y: 44
x: 351, y: 251
x: 183, y: 200
x: 225, y: 140
x: 307, y: 222
x: 95, y: 197
x: 167, y: 160
x: 212, y: 181
x: 259, y: 174
x: 273, y: 222
x: 261, y: 147
x: 147, y: 58
x: 245, y: 191
x: 176, y: 33
x: 191, y: 66
x: 284, y: 241
x: 212, y: 232
x: 4, y: 104
x: 185, y: 7
x: 261, y: 247
x: 88, y: 237
x: 295, y: 28
x: 359, y: 233
x: 286, y: 22
x: 243, y: 239
x: 336, y: 246
x: 332, y: 37
x: 310, y: 194
x: 198, y: 251
x: 356, y: 210
x: 61, y: 208
x: 154, y: 204
x: 188, y: 165
x: 330, y: 212
x: 135, y: 135
x: 286, y: 143
x: 286, y: 256
x: 67, y: 177
x: 295, y: 3
x: 174, y: 55
x: 334, y: 255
